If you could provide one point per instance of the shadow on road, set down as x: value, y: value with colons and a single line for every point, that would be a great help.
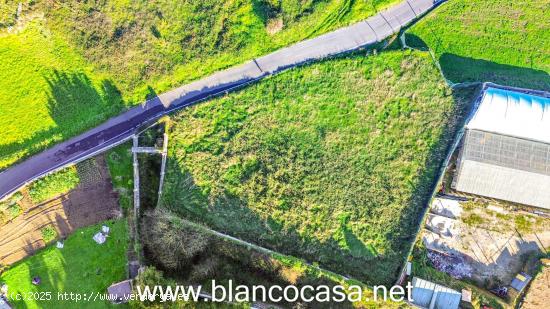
x: 75, y: 104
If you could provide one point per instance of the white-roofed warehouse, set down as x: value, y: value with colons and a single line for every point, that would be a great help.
x: 506, y: 147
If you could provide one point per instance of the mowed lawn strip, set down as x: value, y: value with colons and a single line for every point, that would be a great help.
x: 507, y: 42
x: 331, y: 162
x: 81, y: 266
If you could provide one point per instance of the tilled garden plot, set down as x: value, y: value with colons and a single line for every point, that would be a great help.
x: 91, y: 202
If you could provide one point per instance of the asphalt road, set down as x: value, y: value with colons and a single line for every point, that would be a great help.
x: 121, y: 128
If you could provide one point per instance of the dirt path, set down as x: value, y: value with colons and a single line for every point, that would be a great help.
x: 91, y: 202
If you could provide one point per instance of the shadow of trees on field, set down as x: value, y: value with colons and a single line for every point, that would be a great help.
x: 345, y: 252
x: 460, y: 69
x: 193, y: 256
x: 464, y: 69
x: 232, y: 216
x: 75, y: 104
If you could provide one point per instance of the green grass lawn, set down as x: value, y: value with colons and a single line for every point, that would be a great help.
x: 68, y: 67
x: 507, y: 42
x: 82, y: 266
x: 153, y: 46
x: 331, y: 162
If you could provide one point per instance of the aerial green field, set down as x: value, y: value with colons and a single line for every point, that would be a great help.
x: 506, y: 42
x: 82, y: 266
x: 331, y: 162
x: 66, y: 67
x: 150, y: 47
x: 48, y: 92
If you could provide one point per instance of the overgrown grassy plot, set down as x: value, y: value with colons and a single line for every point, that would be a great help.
x: 48, y: 93
x: 158, y: 45
x: 189, y: 254
x: 506, y: 42
x: 81, y: 266
x: 331, y: 162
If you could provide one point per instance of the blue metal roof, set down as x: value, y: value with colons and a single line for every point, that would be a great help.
x: 427, y: 294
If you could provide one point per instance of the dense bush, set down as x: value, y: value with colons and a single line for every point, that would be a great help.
x: 54, y: 184
x: 202, y: 256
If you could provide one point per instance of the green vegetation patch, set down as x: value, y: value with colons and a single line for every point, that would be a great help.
x: 67, y: 68
x: 332, y: 162
x: 48, y: 92
x: 119, y: 161
x: 49, y: 233
x: 190, y: 254
x: 507, y: 42
x: 153, y: 46
x: 81, y: 266
x: 9, y: 211
x: 54, y: 184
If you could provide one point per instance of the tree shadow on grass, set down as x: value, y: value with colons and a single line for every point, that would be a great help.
x: 75, y: 104
x: 344, y: 252
x: 190, y: 255
x: 459, y: 69
x: 463, y: 69
x: 348, y: 255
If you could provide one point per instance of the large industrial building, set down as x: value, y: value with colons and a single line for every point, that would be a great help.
x: 505, y: 151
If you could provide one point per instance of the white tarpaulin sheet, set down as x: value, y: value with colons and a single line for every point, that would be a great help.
x: 514, y: 114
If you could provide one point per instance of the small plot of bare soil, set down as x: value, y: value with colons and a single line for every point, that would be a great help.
x: 483, y: 241
x: 91, y: 202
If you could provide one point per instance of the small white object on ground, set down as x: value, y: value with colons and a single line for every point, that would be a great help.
x: 105, y: 229
x: 59, y: 245
x: 99, y: 238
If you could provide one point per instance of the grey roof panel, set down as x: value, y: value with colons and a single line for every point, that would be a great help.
x: 504, y: 183
x: 447, y: 298
x: 507, y: 151
x: 422, y: 292
x: 425, y: 293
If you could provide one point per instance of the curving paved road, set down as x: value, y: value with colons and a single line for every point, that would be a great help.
x: 121, y: 128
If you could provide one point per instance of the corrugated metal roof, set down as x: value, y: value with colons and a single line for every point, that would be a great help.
x: 422, y: 292
x: 501, y: 150
x: 426, y: 293
x: 504, y: 183
x: 513, y: 113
